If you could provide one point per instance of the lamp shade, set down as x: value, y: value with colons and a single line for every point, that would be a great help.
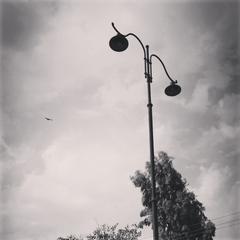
x: 172, y: 90
x: 118, y: 43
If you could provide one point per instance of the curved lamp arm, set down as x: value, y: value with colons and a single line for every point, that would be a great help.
x: 154, y: 55
x: 131, y: 34
x: 116, y: 29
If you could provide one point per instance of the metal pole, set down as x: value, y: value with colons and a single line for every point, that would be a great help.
x: 119, y: 43
x: 151, y: 141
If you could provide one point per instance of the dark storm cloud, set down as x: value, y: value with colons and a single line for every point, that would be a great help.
x: 219, y: 19
x: 23, y: 22
x: 226, y: 30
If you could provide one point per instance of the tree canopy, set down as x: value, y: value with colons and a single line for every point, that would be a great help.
x: 70, y: 237
x: 180, y: 215
x: 107, y: 232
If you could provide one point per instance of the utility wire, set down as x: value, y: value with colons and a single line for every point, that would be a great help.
x: 233, y: 220
x: 224, y: 216
x: 230, y: 214
x: 199, y: 230
x: 235, y: 224
x: 194, y: 233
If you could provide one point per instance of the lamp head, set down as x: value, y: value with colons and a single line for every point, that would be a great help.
x: 172, y: 90
x: 118, y: 43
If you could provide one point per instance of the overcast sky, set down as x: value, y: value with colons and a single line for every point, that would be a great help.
x: 71, y: 174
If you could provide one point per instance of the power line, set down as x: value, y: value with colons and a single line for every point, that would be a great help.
x: 230, y: 214
x: 194, y: 233
x: 199, y: 230
x: 235, y: 224
x: 233, y: 220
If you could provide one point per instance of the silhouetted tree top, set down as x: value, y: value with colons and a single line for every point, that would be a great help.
x: 106, y: 232
x: 70, y: 237
x: 180, y: 215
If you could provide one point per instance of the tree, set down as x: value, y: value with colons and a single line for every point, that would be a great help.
x: 70, y: 237
x: 180, y: 215
x: 105, y: 232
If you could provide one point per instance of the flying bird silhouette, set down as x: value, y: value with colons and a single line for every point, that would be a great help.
x: 48, y: 119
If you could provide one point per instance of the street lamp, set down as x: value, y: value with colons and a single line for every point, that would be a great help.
x: 119, y: 43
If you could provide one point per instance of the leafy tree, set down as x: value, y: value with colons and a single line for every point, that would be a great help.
x: 70, y: 237
x: 106, y: 232
x: 180, y: 215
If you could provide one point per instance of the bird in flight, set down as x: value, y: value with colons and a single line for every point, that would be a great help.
x: 48, y: 119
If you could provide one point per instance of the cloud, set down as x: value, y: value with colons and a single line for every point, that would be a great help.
x: 60, y: 200
x: 212, y: 184
x: 219, y: 190
x: 227, y: 109
x: 16, y: 163
x: 56, y: 175
x: 23, y: 23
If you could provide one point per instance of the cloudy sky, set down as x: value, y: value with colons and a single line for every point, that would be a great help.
x: 71, y: 174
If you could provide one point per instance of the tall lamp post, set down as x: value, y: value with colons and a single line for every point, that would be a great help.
x: 119, y: 43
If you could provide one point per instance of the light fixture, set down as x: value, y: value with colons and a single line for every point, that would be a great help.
x: 172, y: 90
x: 118, y: 43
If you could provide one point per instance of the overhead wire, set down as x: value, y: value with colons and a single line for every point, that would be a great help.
x: 233, y: 222
x: 195, y: 233
x: 230, y: 214
x: 216, y: 218
x: 204, y: 230
x: 199, y: 230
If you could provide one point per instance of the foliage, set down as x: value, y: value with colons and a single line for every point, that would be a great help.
x: 106, y: 232
x: 70, y: 237
x: 180, y: 214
